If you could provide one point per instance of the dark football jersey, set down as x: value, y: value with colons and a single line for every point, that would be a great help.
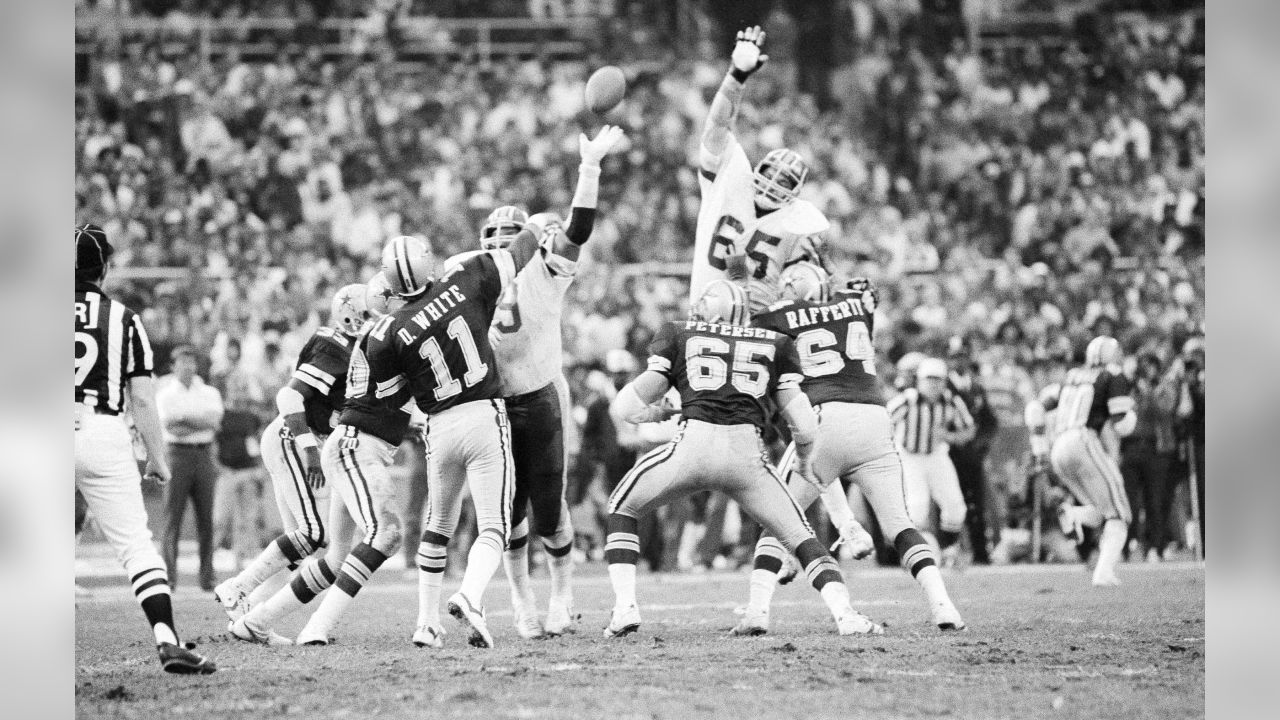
x: 111, y: 348
x: 833, y: 341
x: 376, y: 389
x: 441, y: 340
x: 725, y: 374
x: 321, y: 376
x: 1088, y: 397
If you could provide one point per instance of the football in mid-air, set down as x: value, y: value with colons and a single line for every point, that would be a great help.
x: 605, y: 89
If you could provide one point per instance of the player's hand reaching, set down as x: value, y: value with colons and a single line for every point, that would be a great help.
x: 865, y: 291
x: 857, y: 538
x: 747, y: 58
x: 593, y: 151
x: 311, y: 459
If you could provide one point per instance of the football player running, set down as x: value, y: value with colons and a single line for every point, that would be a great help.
x: 527, y: 345
x: 833, y: 339
x: 754, y: 213
x: 1089, y: 398
x: 290, y: 451
x: 726, y: 374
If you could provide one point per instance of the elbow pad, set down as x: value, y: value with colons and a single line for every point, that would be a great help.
x: 1125, y: 424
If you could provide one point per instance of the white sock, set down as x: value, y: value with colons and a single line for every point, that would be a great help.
x: 763, y: 583
x: 164, y: 634
x: 689, y: 539
x: 931, y: 580
x: 326, y: 616
x: 269, y: 562
x: 516, y: 564
x: 836, y: 596
x: 561, y: 571
x: 482, y: 562
x: 429, y: 585
x: 270, y: 586
x: 283, y: 602
x: 623, y: 578
x: 1110, y: 546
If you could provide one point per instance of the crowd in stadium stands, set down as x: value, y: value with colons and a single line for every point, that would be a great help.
x: 1009, y: 206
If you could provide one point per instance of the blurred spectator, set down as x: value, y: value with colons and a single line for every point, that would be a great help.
x: 1146, y: 456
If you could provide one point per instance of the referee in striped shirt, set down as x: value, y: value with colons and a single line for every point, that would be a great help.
x: 927, y: 420
x: 113, y: 368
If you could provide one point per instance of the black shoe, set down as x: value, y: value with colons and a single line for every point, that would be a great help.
x: 181, y: 660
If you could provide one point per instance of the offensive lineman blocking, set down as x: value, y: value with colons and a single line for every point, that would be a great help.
x: 834, y: 343
x: 724, y: 372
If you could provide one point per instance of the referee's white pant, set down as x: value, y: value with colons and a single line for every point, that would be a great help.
x: 303, y: 509
x: 1093, y: 477
x: 931, y: 478
x: 469, y: 445
x: 107, y: 476
x: 359, y: 466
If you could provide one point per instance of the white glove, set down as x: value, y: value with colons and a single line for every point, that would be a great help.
x: 593, y: 151
x: 747, y: 57
x: 857, y: 538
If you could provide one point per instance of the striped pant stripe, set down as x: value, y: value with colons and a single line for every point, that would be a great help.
x: 795, y: 505
x: 306, y: 498
x: 652, y: 459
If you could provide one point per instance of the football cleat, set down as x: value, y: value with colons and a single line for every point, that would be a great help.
x: 946, y: 617
x: 310, y: 636
x: 183, y: 660
x: 234, y: 602
x: 559, y: 617
x: 790, y: 568
x: 528, y: 626
x: 472, y: 619
x: 624, y: 621
x: 753, y: 622
x: 430, y: 635
x: 250, y: 631
x: 1105, y: 580
x: 855, y: 623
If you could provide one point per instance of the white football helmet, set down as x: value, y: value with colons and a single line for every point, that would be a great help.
x: 906, y: 369
x: 721, y: 301
x: 409, y: 265
x: 1102, y: 351
x: 804, y: 281
x: 349, y: 311
x: 778, y: 178
x: 380, y: 299
x: 502, y: 226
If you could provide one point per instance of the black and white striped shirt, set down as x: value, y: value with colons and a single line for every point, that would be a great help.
x: 111, y: 348
x: 919, y: 423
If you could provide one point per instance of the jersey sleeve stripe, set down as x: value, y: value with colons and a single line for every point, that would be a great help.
x: 317, y: 373
x: 390, y: 387
x: 1119, y: 405
x: 313, y: 382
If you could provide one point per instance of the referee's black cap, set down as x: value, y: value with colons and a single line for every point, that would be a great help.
x: 93, y: 250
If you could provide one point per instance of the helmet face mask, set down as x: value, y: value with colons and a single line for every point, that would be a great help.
x: 804, y: 281
x: 721, y: 302
x: 502, y: 226
x: 778, y: 177
x: 349, y: 310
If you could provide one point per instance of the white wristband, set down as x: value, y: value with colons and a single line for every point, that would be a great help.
x: 306, y: 440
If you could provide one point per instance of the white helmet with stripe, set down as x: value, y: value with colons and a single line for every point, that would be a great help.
x: 349, y: 309
x: 379, y: 297
x: 804, y: 281
x: 1102, y: 351
x: 409, y: 265
x: 502, y: 226
x: 722, y: 301
x: 778, y: 177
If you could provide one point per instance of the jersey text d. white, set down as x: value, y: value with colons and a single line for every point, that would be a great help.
x: 525, y: 333
x: 727, y: 225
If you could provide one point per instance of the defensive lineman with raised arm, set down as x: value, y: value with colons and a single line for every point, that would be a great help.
x: 308, y: 405
x: 114, y: 365
x: 726, y: 374
x: 527, y: 345
x: 752, y: 213
x: 1090, y: 397
x: 833, y: 338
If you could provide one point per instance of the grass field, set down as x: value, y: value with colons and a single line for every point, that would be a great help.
x: 1041, y: 643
